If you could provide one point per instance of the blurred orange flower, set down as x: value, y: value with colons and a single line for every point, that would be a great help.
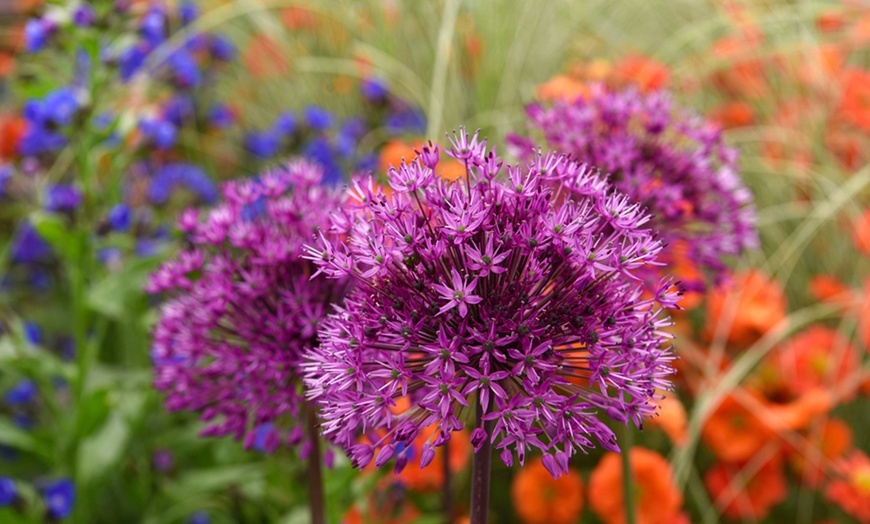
x: 264, y: 58
x: 851, y: 489
x: 830, y: 21
x: 299, y: 18
x: 657, y: 497
x: 746, y: 497
x: 855, y: 103
x: 397, y: 150
x: 733, y: 432
x: 387, y: 504
x: 672, y: 419
x: 828, y: 288
x: 432, y: 476
x: 751, y: 303
x: 540, y: 499
x: 561, y: 87
x: 847, y: 144
x: 742, y: 74
x: 817, y: 357
x: 861, y: 232
x: 864, y: 316
x: 12, y: 129
x: 645, y: 72
x: 833, y: 442
x: 733, y: 114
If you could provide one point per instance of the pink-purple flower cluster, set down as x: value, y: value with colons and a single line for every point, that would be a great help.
x: 673, y: 162
x: 242, y: 307
x: 511, y: 292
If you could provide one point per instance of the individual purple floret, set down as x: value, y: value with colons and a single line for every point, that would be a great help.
x: 673, y: 162
x: 492, y: 293
x: 242, y: 307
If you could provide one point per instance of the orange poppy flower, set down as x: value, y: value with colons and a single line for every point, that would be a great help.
x: 830, y: 21
x: 752, y: 498
x: 851, y: 489
x: 786, y: 145
x: 742, y: 74
x: 859, y: 32
x: 679, y: 265
x: 540, y: 499
x: 452, y: 170
x: 656, y: 495
x: 12, y: 129
x: 749, y: 306
x: 819, y: 64
x: 833, y: 442
x: 397, y: 150
x: 264, y: 58
x: 864, y: 316
x: 299, y: 18
x: 855, y: 103
x: 733, y: 114
x: 847, y: 144
x: 861, y: 232
x: 645, y: 72
x: 562, y: 87
x: 828, y: 288
x: 387, y: 504
x: 672, y: 419
x: 814, y: 358
x: 733, y: 432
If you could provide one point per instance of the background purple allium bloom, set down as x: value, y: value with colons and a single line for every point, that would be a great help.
x: 674, y: 163
x: 493, y: 290
x: 242, y: 308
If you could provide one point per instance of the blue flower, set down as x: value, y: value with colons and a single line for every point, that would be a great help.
x: 8, y: 491
x: 317, y: 118
x: 21, y: 393
x: 119, y: 217
x: 59, y: 497
x: 222, y: 48
x: 28, y: 247
x: 153, y: 26
x: 132, y: 59
x: 373, y: 89
x: 262, y: 144
x: 179, y: 109
x: 36, y: 34
x: 188, y: 175
x: 200, y: 517
x: 32, y: 333
x: 188, y: 12
x: 285, y: 124
x: 62, y: 198
x: 37, y: 140
x: 322, y: 152
x: 6, y: 172
x: 405, y: 119
x: 60, y: 106
x: 220, y: 116
x: 185, y: 69
x: 263, y: 435
x: 84, y: 15
x: 161, y: 132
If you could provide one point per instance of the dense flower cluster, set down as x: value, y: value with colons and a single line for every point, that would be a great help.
x: 492, y: 292
x: 677, y: 165
x: 242, y: 308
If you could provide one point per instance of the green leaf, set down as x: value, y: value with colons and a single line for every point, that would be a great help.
x: 68, y: 244
x: 102, y: 451
x: 118, y: 292
x: 214, y: 479
x: 15, y: 437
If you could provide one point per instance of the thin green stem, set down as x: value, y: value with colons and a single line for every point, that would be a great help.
x: 481, y: 470
x: 627, y: 475
x: 315, y: 472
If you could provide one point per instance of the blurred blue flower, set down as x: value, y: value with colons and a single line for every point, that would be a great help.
x: 405, y: 120
x: 60, y: 106
x: 23, y: 421
x: 185, y: 69
x: 36, y: 34
x: 162, y: 132
x: 84, y: 15
x: 222, y: 48
x: 200, y: 517
x: 8, y: 491
x: 263, y: 144
x: 188, y: 12
x: 59, y: 497
x: 153, y: 26
x: 62, y: 198
x: 6, y: 172
x: 317, y: 118
x: 285, y: 124
x: 21, y: 393
x: 132, y: 59
x: 28, y: 247
x: 373, y: 89
x: 220, y: 116
x: 179, y: 109
x: 322, y: 152
x: 188, y: 175
x: 119, y: 217
x: 32, y: 333
x: 265, y: 439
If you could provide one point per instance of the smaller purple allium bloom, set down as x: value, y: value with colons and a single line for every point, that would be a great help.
x: 8, y: 491
x: 60, y: 497
x: 23, y: 392
x: 84, y: 15
x: 62, y: 198
x: 673, y: 162
x: 513, y: 291
x: 242, y: 307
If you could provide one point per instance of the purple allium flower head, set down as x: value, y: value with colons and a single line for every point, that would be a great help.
x: 497, y: 291
x: 242, y: 307
x: 674, y: 163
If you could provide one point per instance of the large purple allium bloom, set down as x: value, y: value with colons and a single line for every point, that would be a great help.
x: 243, y: 308
x: 673, y: 162
x: 492, y: 292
